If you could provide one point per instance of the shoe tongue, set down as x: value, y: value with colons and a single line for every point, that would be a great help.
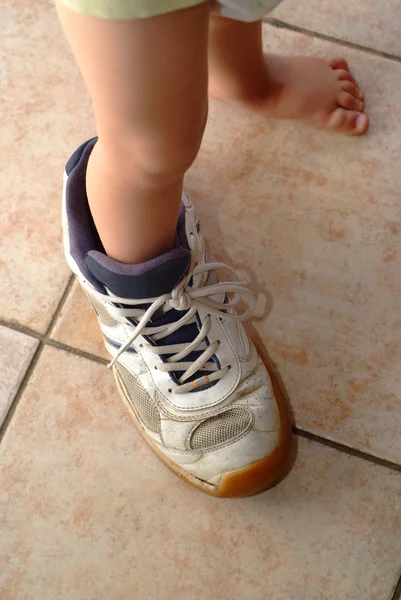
x: 147, y: 280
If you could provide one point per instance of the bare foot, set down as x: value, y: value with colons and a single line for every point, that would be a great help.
x: 319, y: 92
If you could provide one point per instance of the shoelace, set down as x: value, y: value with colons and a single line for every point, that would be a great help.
x: 184, y: 297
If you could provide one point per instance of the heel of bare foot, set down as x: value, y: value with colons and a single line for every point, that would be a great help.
x: 322, y: 93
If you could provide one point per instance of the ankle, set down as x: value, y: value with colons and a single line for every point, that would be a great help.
x: 255, y: 97
x: 252, y: 89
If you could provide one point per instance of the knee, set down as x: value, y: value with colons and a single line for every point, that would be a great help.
x: 158, y: 159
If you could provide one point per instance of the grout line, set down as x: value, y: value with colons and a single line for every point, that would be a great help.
x: 21, y: 329
x: 382, y: 462
x: 32, y: 332
x: 397, y: 591
x: 45, y: 337
x: 76, y: 351
x: 59, y: 308
x: 21, y: 389
x: 28, y: 373
x: 328, y: 38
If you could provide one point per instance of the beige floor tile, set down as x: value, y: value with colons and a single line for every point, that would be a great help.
x: 16, y: 351
x: 315, y: 220
x: 368, y: 23
x: 77, y: 325
x: 47, y: 115
x: 89, y: 513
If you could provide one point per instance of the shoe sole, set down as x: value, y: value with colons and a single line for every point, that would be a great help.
x: 235, y: 484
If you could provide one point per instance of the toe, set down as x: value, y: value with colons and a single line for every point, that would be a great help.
x: 348, y: 122
x: 344, y: 75
x: 338, y: 63
x: 347, y: 100
x: 351, y: 88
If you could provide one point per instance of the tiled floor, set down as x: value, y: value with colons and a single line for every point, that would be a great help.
x: 86, y: 512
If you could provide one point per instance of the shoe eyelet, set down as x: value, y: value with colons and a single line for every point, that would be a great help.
x: 170, y: 390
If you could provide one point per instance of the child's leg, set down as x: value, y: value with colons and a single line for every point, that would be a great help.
x: 148, y: 82
x: 171, y: 342
x: 320, y: 92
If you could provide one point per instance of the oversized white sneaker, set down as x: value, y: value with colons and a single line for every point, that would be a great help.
x: 189, y: 375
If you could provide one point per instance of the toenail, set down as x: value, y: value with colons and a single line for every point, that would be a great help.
x: 360, y: 123
x: 360, y: 105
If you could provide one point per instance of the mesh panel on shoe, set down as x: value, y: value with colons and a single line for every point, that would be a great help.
x: 143, y: 404
x: 221, y: 429
x: 212, y: 277
x: 101, y: 312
